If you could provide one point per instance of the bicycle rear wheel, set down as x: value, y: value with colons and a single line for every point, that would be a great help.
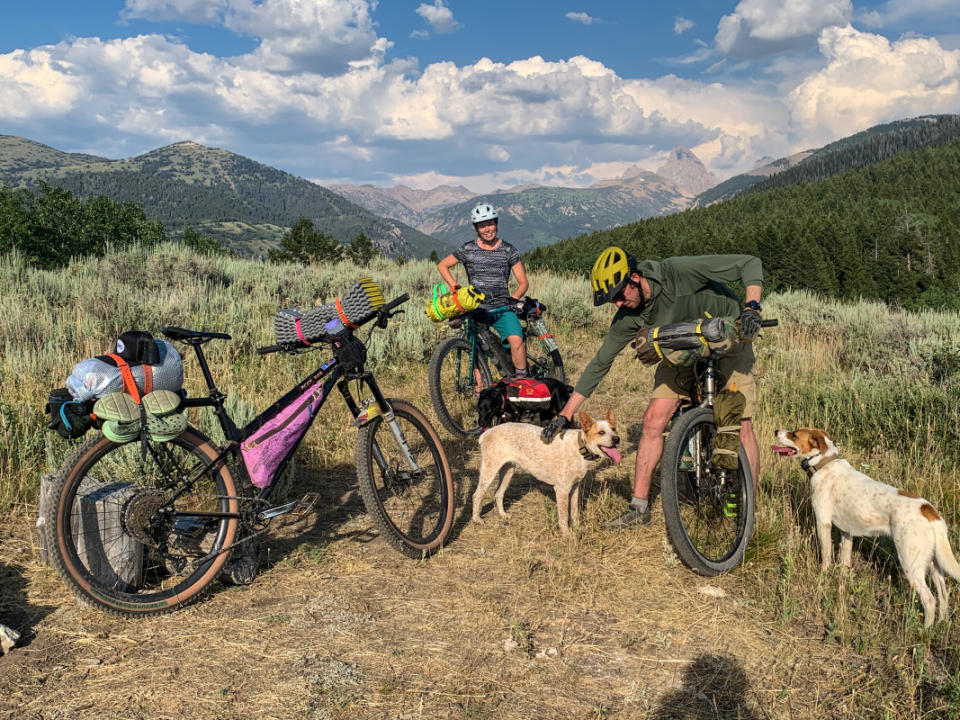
x: 405, y: 480
x: 709, y: 513
x: 454, y: 385
x: 140, y: 535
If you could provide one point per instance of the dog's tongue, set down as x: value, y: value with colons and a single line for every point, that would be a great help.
x: 779, y: 450
x: 612, y: 453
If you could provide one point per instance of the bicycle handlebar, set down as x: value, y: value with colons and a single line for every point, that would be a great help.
x: 382, y: 315
x: 772, y: 322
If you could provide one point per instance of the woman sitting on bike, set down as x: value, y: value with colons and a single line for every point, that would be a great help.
x: 489, y: 260
x: 651, y: 294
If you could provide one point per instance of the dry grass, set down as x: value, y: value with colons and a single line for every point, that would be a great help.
x: 508, y: 621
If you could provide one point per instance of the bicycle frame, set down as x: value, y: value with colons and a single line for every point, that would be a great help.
x: 335, y: 375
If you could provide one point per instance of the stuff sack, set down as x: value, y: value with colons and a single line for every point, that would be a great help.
x: 682, y: 344
x: 527, y: 393
x: 271, y: 443
x: 98, y: 376
x: 448, y: 305
x: 728, y: 410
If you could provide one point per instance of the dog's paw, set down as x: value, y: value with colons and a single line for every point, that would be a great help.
x: 477, y: 519
x: 505, y: 516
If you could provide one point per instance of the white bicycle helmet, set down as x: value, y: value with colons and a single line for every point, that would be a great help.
x: 483, y: 212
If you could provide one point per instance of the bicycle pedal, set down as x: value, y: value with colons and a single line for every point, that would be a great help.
x: 306, y: 503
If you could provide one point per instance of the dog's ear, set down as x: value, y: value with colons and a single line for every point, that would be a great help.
x: 818, y: 438
x: 610, y: 418
x: 586, y: 422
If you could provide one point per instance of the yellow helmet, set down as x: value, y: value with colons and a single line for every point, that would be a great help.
x: 610, y: 273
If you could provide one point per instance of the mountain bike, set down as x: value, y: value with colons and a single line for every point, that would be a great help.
x: 460, y: 367
x: 708, y: 511
x: 144, y: 527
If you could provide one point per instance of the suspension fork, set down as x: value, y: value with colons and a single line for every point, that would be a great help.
x: 384, y: 410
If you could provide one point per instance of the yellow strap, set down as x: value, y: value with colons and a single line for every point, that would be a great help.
x: 656, y: 345
x: 700, y: 335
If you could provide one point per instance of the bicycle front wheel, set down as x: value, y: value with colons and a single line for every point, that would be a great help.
x: 709, y: 512
x: 455, y: 384
x: 544, y: 366
x: 140, y: 530
x: 405, y: 480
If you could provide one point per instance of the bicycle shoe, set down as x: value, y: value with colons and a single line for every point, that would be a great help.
x: 634, y: 516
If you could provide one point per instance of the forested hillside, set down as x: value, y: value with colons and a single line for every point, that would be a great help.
x: 242, y: 203
x: 859, y: 150
x: 887, y: 231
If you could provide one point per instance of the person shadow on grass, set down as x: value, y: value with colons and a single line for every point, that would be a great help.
x: 714, y: 687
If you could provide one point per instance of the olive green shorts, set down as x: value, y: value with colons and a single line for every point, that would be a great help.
x: 675, y: 382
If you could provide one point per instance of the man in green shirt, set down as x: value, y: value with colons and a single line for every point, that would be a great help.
x: 651, y: 294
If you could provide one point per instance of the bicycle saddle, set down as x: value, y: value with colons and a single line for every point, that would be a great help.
x: 194, y: 337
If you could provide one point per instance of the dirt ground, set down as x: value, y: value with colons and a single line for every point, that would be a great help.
x: 508, y: 621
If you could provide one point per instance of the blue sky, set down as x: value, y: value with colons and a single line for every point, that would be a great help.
x: 484, y: 94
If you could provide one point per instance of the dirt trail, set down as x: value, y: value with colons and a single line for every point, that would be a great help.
x: 509, y: 621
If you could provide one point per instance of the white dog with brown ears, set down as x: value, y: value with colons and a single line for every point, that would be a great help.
x: 563, y: 463
x: 860, y: 506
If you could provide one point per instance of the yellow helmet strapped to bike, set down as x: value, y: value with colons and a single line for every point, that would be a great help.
x: 610, y: 273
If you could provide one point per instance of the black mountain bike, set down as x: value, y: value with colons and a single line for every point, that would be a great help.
x: 145, y: 527
x: 460, y: 367
x: 708, y: 511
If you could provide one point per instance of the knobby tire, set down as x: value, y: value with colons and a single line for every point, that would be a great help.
x: 112, y: 531
x: 709, y: 529
x: 412, y: 510
x: 452, y: 386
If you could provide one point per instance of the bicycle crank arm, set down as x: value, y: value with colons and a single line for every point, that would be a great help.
x: 300, y: 506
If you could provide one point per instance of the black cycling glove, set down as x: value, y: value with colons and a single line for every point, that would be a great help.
x: 557, y: 425
x: 749, y: 323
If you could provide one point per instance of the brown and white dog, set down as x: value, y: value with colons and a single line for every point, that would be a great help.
x: 562, y: 463
x: 861, y: 506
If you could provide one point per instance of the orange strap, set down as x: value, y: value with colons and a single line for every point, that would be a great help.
x: 545, y: 335
x: 343, y: 316
x: 129, y: 384
x: 147, y: 378
x: 456, y: 301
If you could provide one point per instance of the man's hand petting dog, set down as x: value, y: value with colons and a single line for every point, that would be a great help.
x: 557, y: 425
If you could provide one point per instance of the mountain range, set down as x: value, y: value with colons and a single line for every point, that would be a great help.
x: 535, y: 215
x: 242, y: 203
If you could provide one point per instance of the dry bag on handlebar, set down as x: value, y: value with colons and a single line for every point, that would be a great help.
x: 681, y: 344
x: 296, y: 329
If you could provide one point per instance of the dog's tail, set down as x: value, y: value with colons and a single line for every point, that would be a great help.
x: 942, y: 552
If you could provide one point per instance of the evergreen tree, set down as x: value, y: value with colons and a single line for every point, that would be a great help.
x: 361, y: 250
x: 304, y: 245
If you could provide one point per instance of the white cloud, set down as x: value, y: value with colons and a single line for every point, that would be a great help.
x: 870, y: 80
x: 894, y: 11
x: 757, y: 28
x: 324, y: 36
x: 582, y: 17
x: 439, y: 16
x: 682, y: 24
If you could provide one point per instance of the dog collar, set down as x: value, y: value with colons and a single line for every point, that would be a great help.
x: 584, y: 450
x: 813, y: 468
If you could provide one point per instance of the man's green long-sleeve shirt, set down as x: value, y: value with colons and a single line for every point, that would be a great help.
x: 682, y: 289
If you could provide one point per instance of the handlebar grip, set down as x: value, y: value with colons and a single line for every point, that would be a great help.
x: 267, y: 349
x: 772, y: 322
x: 399, y: 300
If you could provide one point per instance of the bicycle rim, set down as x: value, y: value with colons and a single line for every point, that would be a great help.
x: 709, y: 517
x: 127, y: 530
x: 454, y: 386
x: 411, y: 506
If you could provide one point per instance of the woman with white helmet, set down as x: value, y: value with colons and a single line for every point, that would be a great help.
x: 489, y: 261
